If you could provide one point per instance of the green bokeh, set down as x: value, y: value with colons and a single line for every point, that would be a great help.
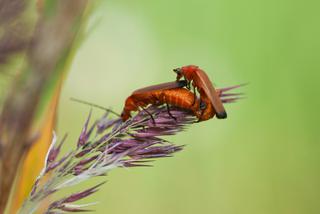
x: 265, y: 157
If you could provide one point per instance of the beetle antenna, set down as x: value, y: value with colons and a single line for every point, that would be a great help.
x: 94, y: 105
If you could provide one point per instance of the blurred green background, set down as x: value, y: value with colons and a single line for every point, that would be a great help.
x: 265, y: 157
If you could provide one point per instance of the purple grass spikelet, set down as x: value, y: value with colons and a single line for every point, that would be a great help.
x: 107, y: 144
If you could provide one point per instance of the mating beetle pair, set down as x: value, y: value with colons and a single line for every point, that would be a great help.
x: 174, y: 94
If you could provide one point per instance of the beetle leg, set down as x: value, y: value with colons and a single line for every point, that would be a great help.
x: 145, y: 110
x: 194, y: 96
x: 199, y: 120
x: 168, y: 109
x: 163, y: 98
x: 188, y: 83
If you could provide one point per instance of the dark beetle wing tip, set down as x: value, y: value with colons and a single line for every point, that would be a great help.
x: 222, y: 115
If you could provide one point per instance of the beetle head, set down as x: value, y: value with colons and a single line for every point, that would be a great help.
x: 178, y: 71
x: 125, y: 115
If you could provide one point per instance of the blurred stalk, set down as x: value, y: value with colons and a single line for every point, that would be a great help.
x: 46, y: 59
x: 36, y: 155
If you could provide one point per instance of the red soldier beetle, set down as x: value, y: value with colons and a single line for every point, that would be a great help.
x: 202, y: 83
x: 170, y: 93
